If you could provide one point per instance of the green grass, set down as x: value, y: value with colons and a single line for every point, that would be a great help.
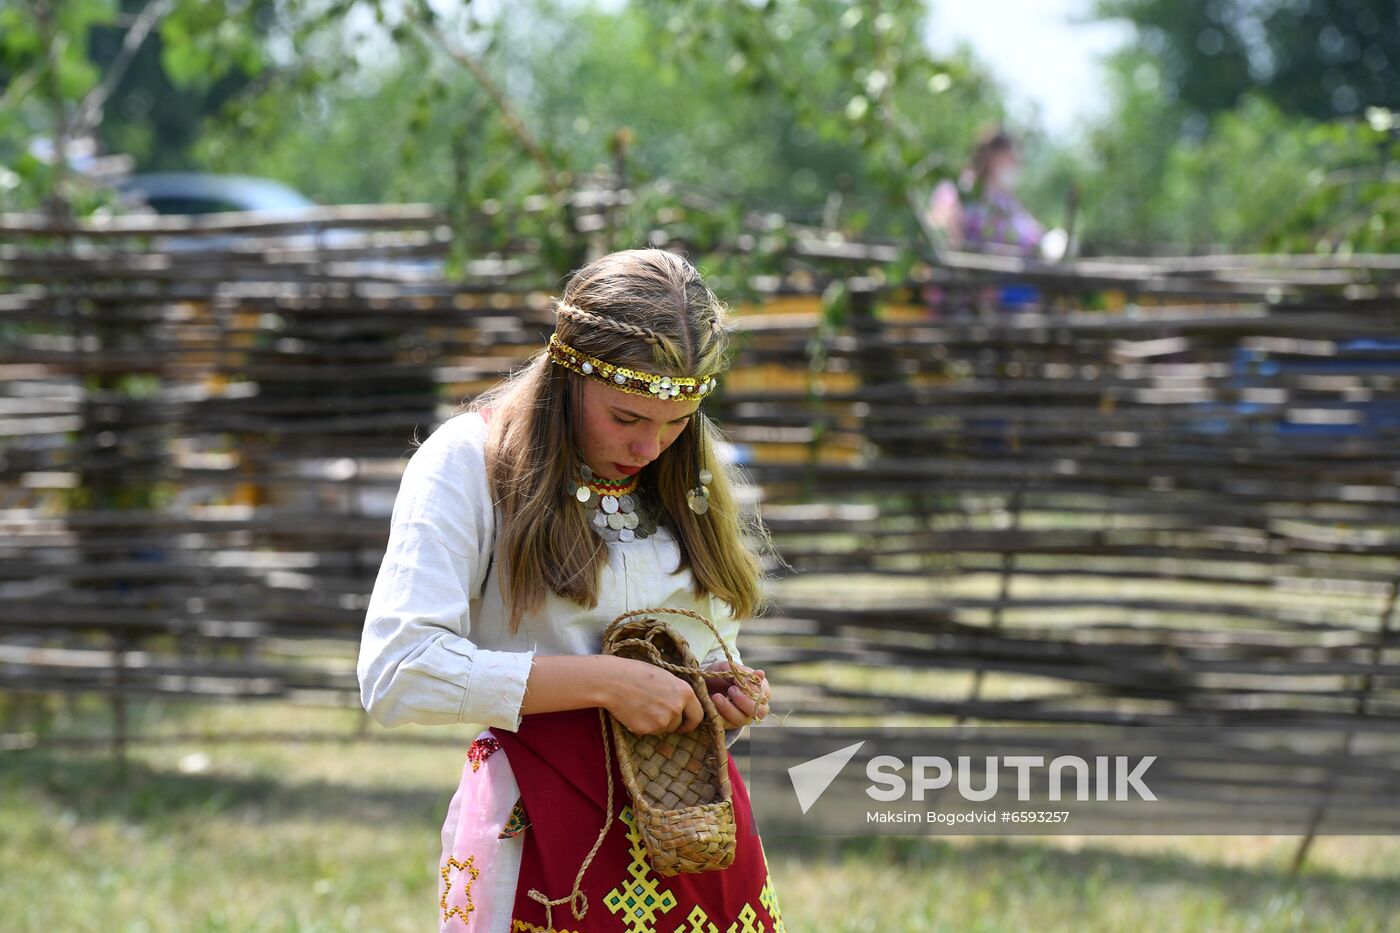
x: 279, y: 836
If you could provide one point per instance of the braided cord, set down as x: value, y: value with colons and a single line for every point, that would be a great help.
x: 577, y: 900
x: 740, y: 677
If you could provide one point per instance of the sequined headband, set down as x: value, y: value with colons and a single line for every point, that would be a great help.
x: 633, y: 381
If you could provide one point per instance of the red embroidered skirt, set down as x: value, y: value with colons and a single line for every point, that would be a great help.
x: 557, y: 762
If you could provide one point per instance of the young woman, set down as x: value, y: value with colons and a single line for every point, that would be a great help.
x: 582, y: 487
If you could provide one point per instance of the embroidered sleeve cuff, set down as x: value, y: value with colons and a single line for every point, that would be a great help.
x: 496, y: 689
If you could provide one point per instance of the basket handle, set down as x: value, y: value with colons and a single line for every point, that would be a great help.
x: 746, y: 682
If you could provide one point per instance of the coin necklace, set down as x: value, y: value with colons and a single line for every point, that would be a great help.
x: 613, y: 507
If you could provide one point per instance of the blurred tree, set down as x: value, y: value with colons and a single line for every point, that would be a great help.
x: 1341, y: 56
x: 826, y: 119
x: 1157, y: 179
x: 1208, y: 146
x: 834, y: 113
x: 780, y: 118
x: 176, y: 78
x: 1318, y: 58
x: 853, y: 73
x: 137, y: 73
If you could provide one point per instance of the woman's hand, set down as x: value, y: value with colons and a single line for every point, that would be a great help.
x: 730, y: 700
x: 649, y: 700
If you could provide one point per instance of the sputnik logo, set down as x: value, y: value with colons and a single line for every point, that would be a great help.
x: 811, y: 778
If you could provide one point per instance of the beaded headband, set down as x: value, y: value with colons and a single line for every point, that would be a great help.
x: 632, y: 381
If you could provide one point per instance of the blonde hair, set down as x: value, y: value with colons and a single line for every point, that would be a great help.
x: 646, y: 309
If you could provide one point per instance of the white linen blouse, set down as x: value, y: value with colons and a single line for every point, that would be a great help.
x: 436, y: 646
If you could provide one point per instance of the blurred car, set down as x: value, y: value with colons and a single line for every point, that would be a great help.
x: 203, y: 193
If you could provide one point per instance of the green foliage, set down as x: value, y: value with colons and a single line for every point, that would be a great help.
x: 1318, y: 59
x: 829, y: 112
x: 201, y: 41
x: 1350, y: 199
x: 1198, y: 48
x: 709, y: 101
x: 197, y: 56
x: 1159, y: 175
x: 855, y: 76
x: 780, y: 118
x: 44, y: 64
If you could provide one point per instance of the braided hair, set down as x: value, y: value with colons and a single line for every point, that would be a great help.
x: 647, y: 308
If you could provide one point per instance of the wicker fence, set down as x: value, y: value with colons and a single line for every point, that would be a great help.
x: 1178, y: 508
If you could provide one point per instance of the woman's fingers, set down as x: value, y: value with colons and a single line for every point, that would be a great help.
x: 731, y: 702
x: 744, y: 701
x: 747, y: 675
x: 731, y: 715
x: 737, y: 709
x: 761, y: 689
x: 655, y: 693
x: 713, y: 682
x: 694, y: 713
x: 730, y: 699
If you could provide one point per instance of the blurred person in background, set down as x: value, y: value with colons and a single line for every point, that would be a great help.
x: 980, y: 212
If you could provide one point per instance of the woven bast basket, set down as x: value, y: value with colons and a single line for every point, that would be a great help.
x: 679, y: 782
